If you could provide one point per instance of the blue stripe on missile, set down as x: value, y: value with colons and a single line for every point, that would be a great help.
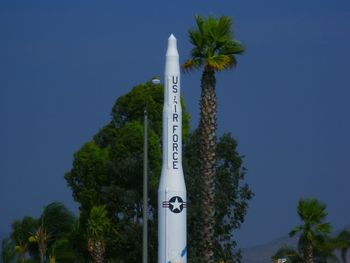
x: 184, y: 251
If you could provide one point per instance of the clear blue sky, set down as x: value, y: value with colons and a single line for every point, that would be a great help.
x: 64, y: 63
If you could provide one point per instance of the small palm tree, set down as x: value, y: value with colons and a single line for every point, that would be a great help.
x: 214, y: 49
x: 41, y: 238
x: 8, y: 251
x: 314, y: 229
x: 20, y: 233
x: 342, y: 243
x: 98, y: 224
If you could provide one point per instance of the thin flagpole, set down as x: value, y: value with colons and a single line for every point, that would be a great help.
x: 145, y: 192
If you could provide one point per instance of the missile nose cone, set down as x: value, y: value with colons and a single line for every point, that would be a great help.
x: 172, y: 46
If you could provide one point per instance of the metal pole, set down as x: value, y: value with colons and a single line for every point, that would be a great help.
x: 145, y: 192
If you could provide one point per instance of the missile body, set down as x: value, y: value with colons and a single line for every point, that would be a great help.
x: 172, y: 204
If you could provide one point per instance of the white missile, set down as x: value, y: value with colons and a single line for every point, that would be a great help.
x: 172, y: 190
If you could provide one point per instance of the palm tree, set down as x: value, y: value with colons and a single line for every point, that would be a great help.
x: 342, y: 242
x: 20, y: 233
x: 8, y: 252
x: 214, y: 49
x: 314, y: 229
x: 41, y: 238
x: 97, y: 226
x: 59, y: 223
x: 324, y: 254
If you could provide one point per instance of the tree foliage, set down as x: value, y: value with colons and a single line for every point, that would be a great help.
x: 315, y: 244
x: 20, y: 234
x: 108, y: 171
x: 231, y: 197
x: 342, y: 242
x: 8, y: 252
x: 49, y: 236
x: 214, y: 46
x: 97, y: 227
x: 313, y: 230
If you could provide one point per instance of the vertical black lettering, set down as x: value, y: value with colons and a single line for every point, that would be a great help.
x: 175, y: 88
x: 175, y: 156
x: 175, y: 116
x: 175, y: 138
x: 175, y: 79
x: 174, y: 128
x: 175, y: 165
x: 175, y: 145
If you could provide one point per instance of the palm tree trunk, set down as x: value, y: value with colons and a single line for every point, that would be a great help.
x: 309, y: 253
x: 96, y: 249
x: 42, y: 250
x: 207, y: 131
x: 100, y: 251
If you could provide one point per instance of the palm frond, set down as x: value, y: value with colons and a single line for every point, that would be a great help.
x: 209, y: 28
x: 312, y: 210
x: 220, y: 62
x: 191, y: 64
x: 325, y: 228
x: 223, y: 29
x: 232, y: 47
x: 98, y: 222
x: 197, y: 53
x: 213, y: 44
x: 200, y: 23
x: 196, y: 38
x: 295, y: 230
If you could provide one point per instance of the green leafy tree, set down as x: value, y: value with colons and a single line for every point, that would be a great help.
x: 214, y: 49
x: 107, y: 171
x: 231, y: 197
x: 313, y: 230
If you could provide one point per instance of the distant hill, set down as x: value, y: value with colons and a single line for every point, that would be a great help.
x: 262, y: 253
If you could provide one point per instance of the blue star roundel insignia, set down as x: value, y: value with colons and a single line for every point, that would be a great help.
x: 175, y: 204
